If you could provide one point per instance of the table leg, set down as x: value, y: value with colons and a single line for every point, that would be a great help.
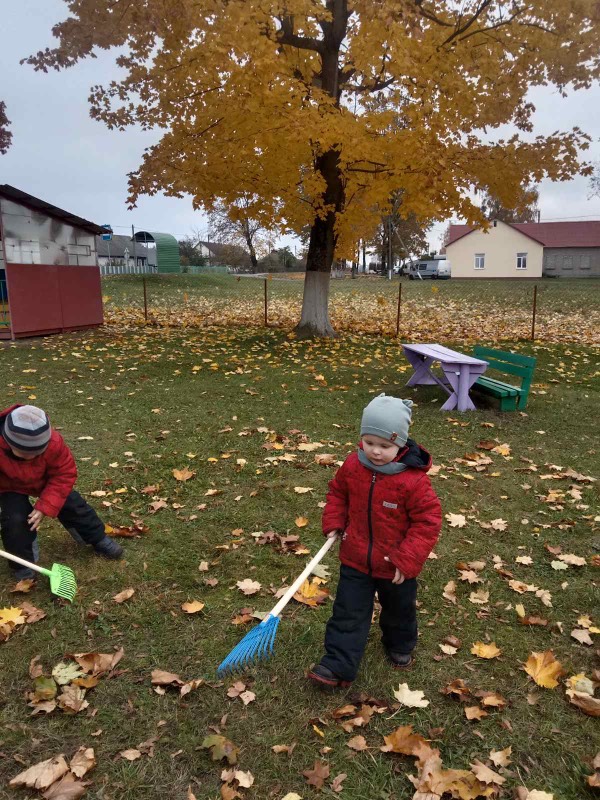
x: 422, y: 374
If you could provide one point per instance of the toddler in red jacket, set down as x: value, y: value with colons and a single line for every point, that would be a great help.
x: 382, y: 504
x: 34, y: 460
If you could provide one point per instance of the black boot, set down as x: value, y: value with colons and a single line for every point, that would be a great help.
x: 108, y: 548
x: 326, y: 678
x: 400, y: 660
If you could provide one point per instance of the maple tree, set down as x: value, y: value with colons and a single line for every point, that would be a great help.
x: 318, y: 110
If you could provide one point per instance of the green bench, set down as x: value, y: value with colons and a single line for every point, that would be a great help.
x: 511, y: 397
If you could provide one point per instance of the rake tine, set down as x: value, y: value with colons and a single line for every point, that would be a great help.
x: 258, y: 643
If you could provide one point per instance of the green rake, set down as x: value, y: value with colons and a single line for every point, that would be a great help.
x: 62, y: 579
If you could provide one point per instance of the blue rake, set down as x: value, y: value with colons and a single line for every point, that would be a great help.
x: 258, y: 643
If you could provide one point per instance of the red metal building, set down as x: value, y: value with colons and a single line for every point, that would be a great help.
x: 49, y: 275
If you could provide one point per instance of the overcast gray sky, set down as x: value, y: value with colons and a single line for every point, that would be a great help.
x: 67, y: 159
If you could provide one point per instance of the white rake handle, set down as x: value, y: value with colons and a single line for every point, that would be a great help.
x: 22, y: 561
x: 277, y: 609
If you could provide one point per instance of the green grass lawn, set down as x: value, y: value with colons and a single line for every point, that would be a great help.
x: 154, y: 400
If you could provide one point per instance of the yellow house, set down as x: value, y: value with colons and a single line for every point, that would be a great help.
x: 502, y: 251
x: 525, y: 250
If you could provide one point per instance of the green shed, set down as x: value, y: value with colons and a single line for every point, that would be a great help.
x: 167, y: 249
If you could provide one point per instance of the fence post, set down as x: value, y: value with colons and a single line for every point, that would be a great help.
x: 533, y: 313
x: 145, y: 299
x: 266, y: 305
x: 399, y: 308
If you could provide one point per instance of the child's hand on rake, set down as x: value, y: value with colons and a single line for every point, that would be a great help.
x: 35, y: 519
x: 398, y: 576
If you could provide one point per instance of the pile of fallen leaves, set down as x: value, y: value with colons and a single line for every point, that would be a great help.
x: 16, y: 616
x: 56, y: 779
x: 67, y: 685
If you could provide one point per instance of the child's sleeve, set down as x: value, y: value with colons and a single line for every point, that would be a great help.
x: 335, y: 513
x: 61, y: 476
x: 424, y: 512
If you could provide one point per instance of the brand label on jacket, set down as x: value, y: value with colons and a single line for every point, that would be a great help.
x: 389, y: 505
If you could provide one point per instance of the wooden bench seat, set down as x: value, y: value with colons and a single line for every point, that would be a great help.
x: 511, y: 397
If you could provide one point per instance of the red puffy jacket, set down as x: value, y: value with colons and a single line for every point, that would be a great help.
x: 398, y: 516
x: 50, y: 476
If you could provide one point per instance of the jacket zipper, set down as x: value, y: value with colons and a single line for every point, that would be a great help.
x: 370, y: 548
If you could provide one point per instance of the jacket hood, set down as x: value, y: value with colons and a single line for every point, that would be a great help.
x: 413, y: 455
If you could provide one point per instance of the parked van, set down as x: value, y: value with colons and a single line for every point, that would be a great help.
x: 434, y: 268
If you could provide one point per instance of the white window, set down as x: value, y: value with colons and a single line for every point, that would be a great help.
x: 479, y: 261
x: 521, y: 260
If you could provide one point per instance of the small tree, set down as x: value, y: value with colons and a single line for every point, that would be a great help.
x: 524, y: 208
x: 189, y: 255
x: 5, y: 134
x: 234, y: 225
x: 595, y: 182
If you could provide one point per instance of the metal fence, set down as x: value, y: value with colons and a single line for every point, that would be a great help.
x: 115, y: 268
x: 453, y: 310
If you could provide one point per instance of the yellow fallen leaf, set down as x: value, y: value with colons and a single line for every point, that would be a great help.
x: 193, y: 607
x: 544, y: 669
x: 486, y: 650
x: 183, y: 474
x: 301, y: 522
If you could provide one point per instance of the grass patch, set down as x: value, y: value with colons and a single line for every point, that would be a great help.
x: 156, y: 400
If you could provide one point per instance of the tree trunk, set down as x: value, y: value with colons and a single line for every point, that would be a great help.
x: 315, y: 321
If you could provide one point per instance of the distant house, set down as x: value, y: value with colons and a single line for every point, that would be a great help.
x: 121, y: 255
x: 231, y: 255
x: 525, y: 250
x: 49, y: 276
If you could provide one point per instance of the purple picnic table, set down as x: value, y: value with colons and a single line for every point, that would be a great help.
x: 460, y: 372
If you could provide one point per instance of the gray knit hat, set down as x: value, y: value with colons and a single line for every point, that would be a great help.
x: 27, y: 428
x: 388, y: 417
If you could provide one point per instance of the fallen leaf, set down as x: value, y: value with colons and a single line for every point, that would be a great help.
x: 317, y: 775
x: 83, y: 761
x: 501, y: 758
x: 572, y: 560
x: 312, y: 593
x: 486, y: 775
x: 161, y: 678
x: 301, y: 522
x: 336, y: 783
x: 220, y: 748
x: 193, y: 607
x: 126, y: 594
x: 65, y: 673
x: 486, y: 650
x: 450, y: 592
x: 72, y: 699
x: 303, y: 489
x: 183, y: 474
x: 67, y: 788
x: 456, y: 520
x: 42, y: 775
x: 402, y: 740
x: 582, y: 636
x: 410, y: 699
x: 357, y: 743
x: 474, y: 712
x: 23, y: 586
x: 130, y: 755
x: 544, y: 669
x: 98, y: 663
x: 248, y: 586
